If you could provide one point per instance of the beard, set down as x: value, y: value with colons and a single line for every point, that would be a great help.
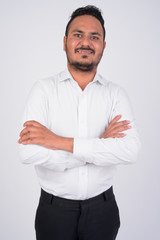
x: 82, y: 66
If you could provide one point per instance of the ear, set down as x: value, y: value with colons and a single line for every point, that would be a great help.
x: 104, y: 45
x: 64, y: 43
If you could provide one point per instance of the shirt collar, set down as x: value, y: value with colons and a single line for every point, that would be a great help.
x: 65, y: 75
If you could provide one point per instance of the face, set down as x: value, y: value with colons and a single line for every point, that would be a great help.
x: 84, y: 45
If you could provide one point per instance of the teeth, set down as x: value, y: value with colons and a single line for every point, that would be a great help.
x: 84, y: 51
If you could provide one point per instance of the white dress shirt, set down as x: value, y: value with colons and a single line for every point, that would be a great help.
x: 63, y: 107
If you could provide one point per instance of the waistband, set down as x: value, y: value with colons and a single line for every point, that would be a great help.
x: 50, y: 198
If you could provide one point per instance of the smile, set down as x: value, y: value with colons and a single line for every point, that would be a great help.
x: 86, y: 52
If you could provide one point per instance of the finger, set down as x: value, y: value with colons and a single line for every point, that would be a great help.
x: 121, y: 128
x: 115, y: 119
x: 32, y: 123
x: 27, y: 138
x: 31, y: 141
x: 28, y: 129
x: 122, y: 123
x: 24, y: 138
x: 116, y: 123
x: 24, y: 131
x: 118, y: 135
x: 115, y: 135
x: 117, y: 130
x: 119, y: 124
x: 29, y: 135
x: 27, y: 141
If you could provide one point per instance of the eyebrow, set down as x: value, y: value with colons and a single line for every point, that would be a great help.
x: 92, y: 33
x: 96, y: 33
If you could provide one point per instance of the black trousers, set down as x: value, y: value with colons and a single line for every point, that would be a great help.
x: 96, y: 218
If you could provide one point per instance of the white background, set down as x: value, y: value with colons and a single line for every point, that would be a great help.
x: 31, y: 47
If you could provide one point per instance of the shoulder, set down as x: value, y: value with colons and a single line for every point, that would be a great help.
x: 48, y: 83
x: 113, y: 89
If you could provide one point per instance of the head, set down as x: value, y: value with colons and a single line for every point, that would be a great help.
x: 84, y: 40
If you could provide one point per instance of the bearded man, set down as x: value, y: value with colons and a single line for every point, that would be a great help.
x: 78, y: 127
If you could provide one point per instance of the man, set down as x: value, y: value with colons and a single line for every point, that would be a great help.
x: 77, y: 128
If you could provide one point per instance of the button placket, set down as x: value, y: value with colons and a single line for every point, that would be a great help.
x: 82, y: 114
x: 83, y: 182
x: 82, y: 133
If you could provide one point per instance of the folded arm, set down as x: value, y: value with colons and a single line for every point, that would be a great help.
x: 110, y: 149
x: 39, y: 145
x: 35, y: 133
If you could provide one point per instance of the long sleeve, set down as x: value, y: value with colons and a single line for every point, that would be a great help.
x: 111, y: 151
x: 36, y: 108
x: 63, y: 107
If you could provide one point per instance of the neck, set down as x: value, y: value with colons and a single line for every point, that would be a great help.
x: 82, y: 78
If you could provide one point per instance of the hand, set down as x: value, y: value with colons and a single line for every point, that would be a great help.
x: 115, y: 128
x: 36, y: 133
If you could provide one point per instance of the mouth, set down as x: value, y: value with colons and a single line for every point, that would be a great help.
x: 85, y: 51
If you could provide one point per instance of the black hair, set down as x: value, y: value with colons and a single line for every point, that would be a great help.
x: 88, y: 10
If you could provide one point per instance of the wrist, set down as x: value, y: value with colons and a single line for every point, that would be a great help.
x: 65, y: 143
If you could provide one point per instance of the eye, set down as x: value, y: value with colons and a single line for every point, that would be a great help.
x: 78, y: 35
x: 95, y: 38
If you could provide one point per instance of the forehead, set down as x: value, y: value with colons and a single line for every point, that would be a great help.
x: 86, y: 23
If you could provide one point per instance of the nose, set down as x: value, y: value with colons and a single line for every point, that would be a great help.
x: 85, y: 41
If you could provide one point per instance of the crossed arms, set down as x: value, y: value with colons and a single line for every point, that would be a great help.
x: 36, y: 133
x: 118, y: 144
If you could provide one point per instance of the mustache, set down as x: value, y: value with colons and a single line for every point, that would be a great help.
x: 84, y: 48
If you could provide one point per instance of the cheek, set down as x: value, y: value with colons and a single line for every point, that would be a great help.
x: 72, y: 44
x: 99, y: 48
